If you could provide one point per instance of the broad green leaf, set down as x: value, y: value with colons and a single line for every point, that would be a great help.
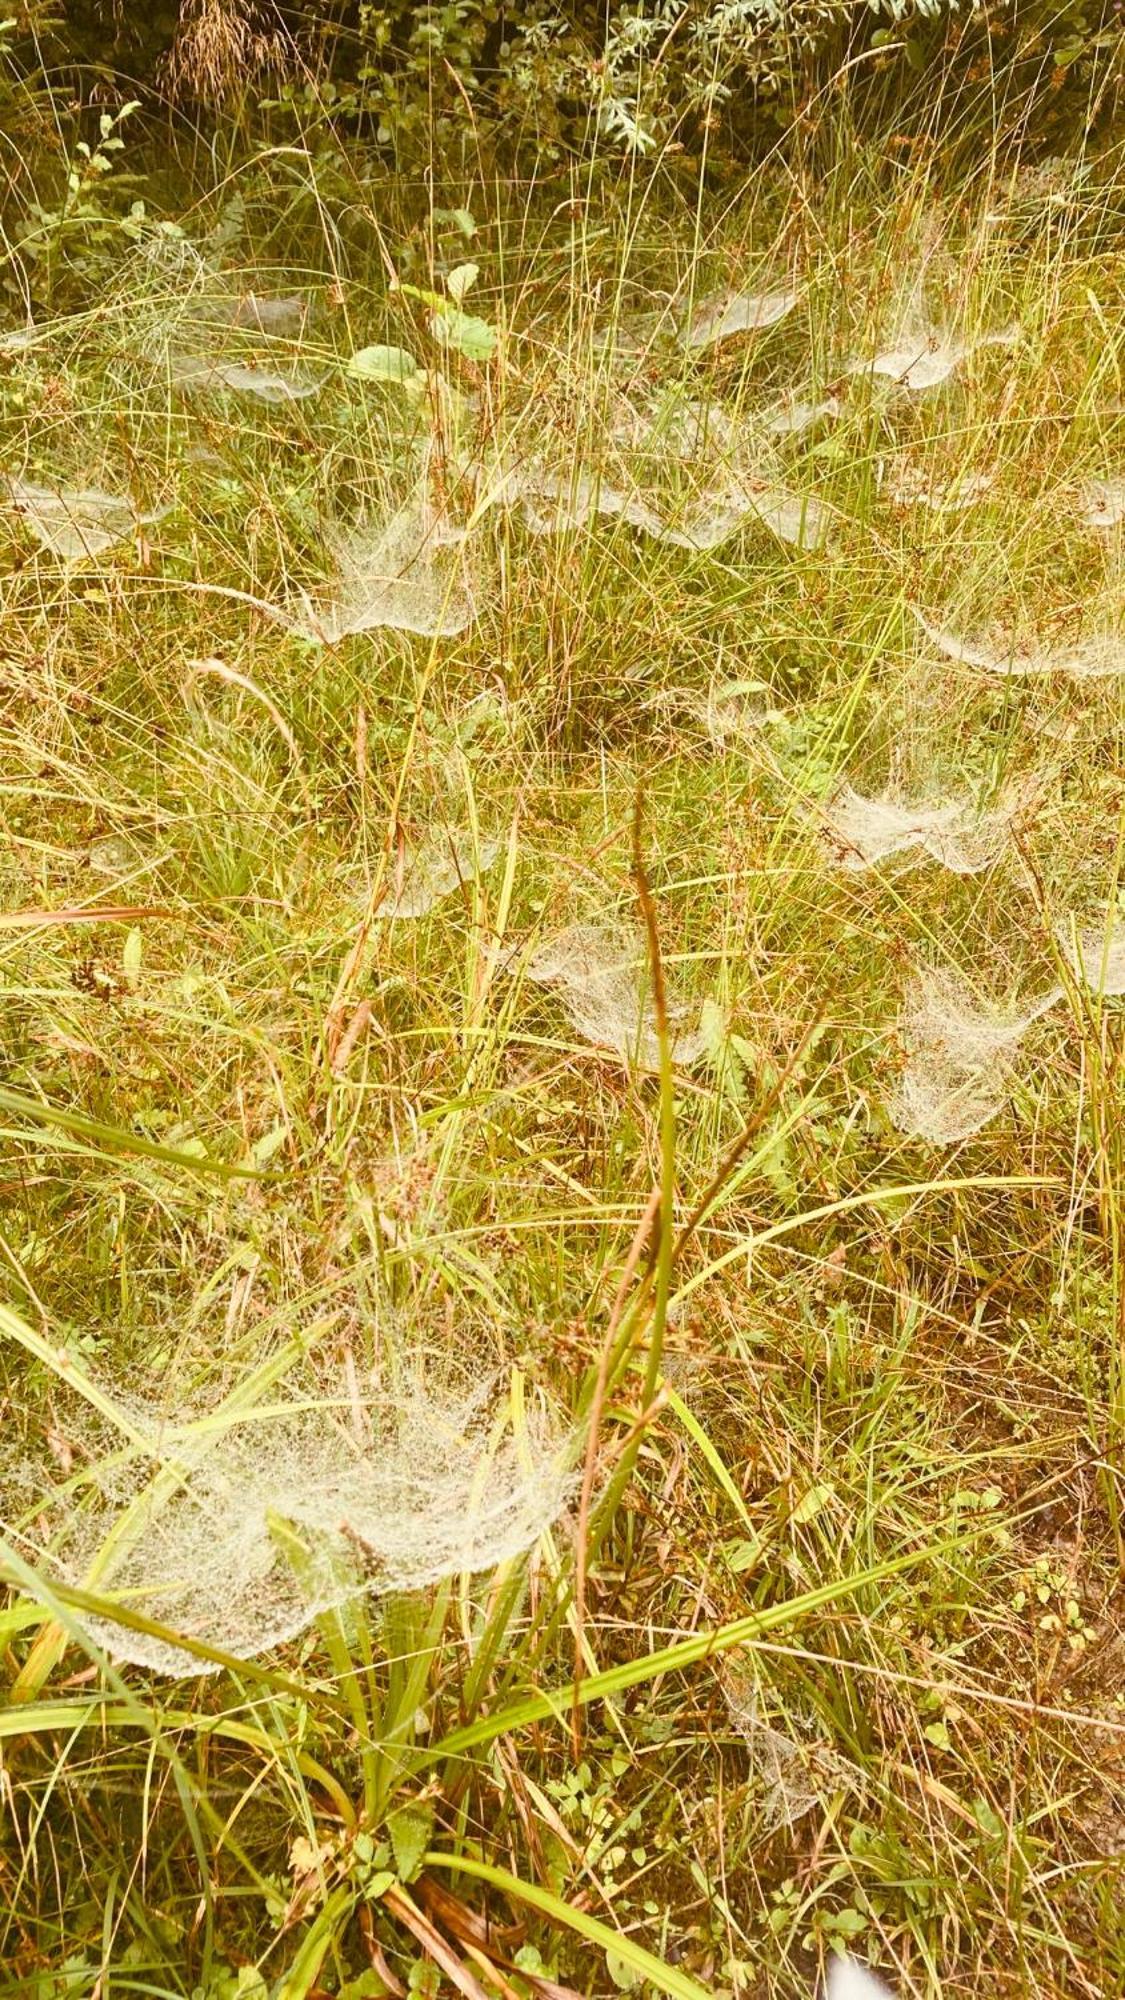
x: 410, y: 1829
x: 132, y: 953
x: 811, y: 1503
x: 383, y: 364
x: 461, y: 219
x: 462, y: 280
x: 472, y: 338
x: 744, y: 1555
x: 624, y: 1975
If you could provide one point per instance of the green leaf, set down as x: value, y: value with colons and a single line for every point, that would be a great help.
x: 462, y: 280
x: 271, y: 1142
x: 710, y: 1453
x: 811, y: 1503
x: 937, y: 1734
x: 989, y: 1821
x: 744, y: 1555
x: 383, y: 364
x: 132, y: 952
x: 847, y: 1923
x: 624, y: 1975
x: 410, y: 1829
x: 472, y: 338
x: 367, y: 1985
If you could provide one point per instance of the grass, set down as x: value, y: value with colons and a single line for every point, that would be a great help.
x: 856, y: 1472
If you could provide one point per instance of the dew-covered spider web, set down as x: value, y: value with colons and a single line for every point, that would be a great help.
x: 861, y: 832
x: 433, y: 869
x: 1097, y: 955
x: 602, y: 984
x: 73, y: 523
x: 924, y: 359
x: 732, y: 312
x: 198, y: 374
x: 961, y: 1058
x: 791, y: 1775
x: 1098, y: 656
x: 237, y: 1527
x: 1104, y: 503
x: 407, y: 574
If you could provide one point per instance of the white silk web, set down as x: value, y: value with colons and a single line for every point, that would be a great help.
x: 236, y: 1528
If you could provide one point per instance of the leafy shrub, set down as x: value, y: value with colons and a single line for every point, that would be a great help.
x: 633, y: 74
x: 642, y: 73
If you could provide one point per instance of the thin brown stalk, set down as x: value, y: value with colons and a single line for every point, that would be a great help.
x: 589, y: 1470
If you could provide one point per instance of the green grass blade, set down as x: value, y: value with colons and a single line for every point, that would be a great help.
x: 115, y: 1139
x: 683, y: 1653
x: 667, y: 1978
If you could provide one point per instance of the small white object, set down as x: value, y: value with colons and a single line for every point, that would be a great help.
x: 848, y: 1980
x: 1104, y: 503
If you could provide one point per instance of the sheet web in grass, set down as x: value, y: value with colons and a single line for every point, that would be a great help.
x: 73, y: 523
x: 862, y: 831
x: 237, y: 1528
x: 600, y: 981
x: 961, y: 1058
x: 399, y: 574
x: 790, y: 1775
x: 1096, y: 656
x: 431, y: 870
x: 1097, y: 955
